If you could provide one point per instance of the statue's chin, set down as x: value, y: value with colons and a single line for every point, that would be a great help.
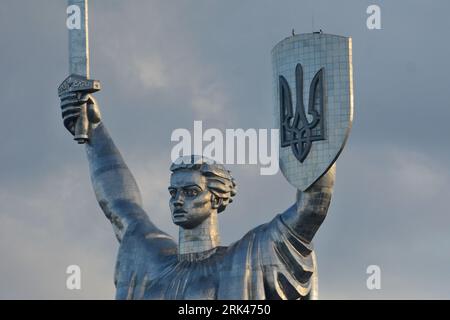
x: 181, y: 222
x: 185, y: 226
x: 185, y: 223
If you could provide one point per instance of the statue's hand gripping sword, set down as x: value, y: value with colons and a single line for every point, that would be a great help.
x: 78, y: 81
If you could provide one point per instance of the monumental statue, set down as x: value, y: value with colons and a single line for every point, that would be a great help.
x: 274, y: 260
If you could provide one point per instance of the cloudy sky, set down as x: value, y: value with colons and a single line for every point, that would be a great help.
x: 164, y: 64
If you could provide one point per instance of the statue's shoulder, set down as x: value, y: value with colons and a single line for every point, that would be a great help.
x: 250, y: 243
x: 142, y: 257
x: 262, y: 240
x: 146, y: 245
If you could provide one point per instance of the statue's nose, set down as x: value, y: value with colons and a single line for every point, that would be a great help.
x: 179, y: 201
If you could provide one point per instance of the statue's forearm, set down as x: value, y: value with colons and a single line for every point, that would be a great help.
x: 312, y: 207
x: 114, y: 185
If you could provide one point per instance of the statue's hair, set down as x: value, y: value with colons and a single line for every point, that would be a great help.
x: 219, y: 180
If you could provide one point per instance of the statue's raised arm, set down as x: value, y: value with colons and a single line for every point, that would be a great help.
x: 310, y: 210
x: 276, y: 260
x: 114, y: 185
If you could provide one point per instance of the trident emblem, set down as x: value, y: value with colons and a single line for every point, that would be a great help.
x: 296, y: 131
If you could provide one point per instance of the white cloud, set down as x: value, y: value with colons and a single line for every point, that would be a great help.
x: 208, y: 101
x: 152, y: 72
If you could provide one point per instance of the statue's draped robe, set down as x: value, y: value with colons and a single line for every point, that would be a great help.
x: 269, y: 262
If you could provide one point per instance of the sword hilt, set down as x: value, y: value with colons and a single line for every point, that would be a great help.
x: 80, y: 84
x: 82, y: 126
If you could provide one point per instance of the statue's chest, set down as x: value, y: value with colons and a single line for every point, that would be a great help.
x: 185, y: 281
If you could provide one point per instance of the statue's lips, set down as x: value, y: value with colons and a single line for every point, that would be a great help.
x: 179, y: 214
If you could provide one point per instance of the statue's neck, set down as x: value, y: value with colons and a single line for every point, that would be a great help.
x: 197, y: 243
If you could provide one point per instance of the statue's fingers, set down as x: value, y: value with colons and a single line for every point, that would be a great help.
x: 72, y: 96
x: 71, y: 111
x: 69, y: 124
x: 68, y: 95
x: 70, y: 120
x: 71, y: 117
x: 73, y: 99
x: 70, y: 103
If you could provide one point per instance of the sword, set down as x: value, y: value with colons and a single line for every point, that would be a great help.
x: 78, y: 80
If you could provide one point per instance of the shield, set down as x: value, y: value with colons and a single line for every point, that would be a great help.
x: 313, y: 90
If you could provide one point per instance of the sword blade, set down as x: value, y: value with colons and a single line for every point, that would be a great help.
x: 79, y: 42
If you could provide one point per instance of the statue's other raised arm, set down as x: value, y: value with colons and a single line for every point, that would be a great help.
x: 311, y: 207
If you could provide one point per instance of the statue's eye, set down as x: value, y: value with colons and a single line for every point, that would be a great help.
x: 191, y: 192
x: 173, y: 192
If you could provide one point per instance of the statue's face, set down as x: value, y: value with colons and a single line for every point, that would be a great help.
x: 190, y: 199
